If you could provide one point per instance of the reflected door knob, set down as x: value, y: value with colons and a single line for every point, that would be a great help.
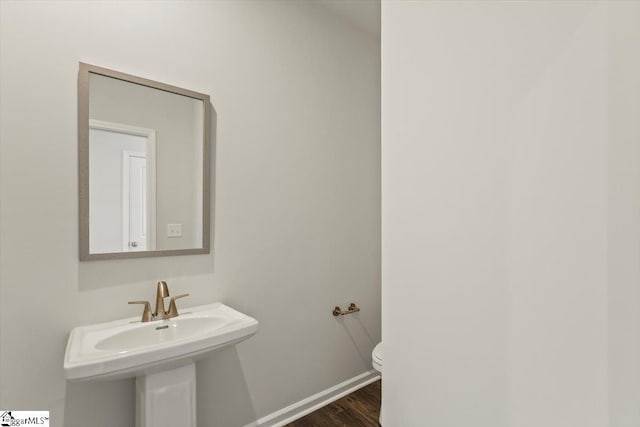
x: 134, y: 244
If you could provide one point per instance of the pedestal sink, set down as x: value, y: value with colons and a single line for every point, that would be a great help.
x: 160, y: 354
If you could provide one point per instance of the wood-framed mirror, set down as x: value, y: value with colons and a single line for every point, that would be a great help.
x: 143, y: 167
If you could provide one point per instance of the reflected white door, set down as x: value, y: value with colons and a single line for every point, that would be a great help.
x: 107, y: 185
x: 137, y: 190
x: 122, y: 214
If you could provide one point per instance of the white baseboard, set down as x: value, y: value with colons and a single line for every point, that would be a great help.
x: 306, y: 406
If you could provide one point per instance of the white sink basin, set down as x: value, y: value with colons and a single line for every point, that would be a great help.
x: 164, y: 333
x: 129, y: 348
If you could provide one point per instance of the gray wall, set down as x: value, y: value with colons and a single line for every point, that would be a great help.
x: 511, y: 213
x: 623, y: 226
x: 296, y: 203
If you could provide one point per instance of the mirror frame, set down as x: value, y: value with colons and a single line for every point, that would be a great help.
x: 83, y: 164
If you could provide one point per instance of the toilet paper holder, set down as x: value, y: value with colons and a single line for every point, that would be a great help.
x: 337, y: 311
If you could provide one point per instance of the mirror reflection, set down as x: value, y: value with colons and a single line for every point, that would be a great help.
x: 146, y: 168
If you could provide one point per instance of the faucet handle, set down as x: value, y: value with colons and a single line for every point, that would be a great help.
x: 146, y: 314
x: 173, y: 310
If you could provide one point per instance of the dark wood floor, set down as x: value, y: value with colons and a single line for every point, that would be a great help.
x: 358, y: 409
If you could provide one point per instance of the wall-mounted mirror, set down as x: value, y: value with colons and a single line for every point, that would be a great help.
x: 143, y: 151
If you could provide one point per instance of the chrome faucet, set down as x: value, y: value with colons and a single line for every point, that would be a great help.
x: 161, y: 293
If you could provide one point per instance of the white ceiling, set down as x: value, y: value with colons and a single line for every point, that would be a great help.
x: 362, y: 14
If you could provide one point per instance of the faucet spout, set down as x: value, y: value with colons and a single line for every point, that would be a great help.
x: 160, y: 313
x: 161, y: 294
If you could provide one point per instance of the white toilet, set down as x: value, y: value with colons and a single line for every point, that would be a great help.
x: 376, y: 361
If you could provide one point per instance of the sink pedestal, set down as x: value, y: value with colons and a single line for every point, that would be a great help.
x: 167, y: 398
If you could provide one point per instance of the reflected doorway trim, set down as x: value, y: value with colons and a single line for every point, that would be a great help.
x: 150, y: 135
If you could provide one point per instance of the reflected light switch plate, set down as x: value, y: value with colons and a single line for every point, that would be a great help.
x: 174, y: 230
